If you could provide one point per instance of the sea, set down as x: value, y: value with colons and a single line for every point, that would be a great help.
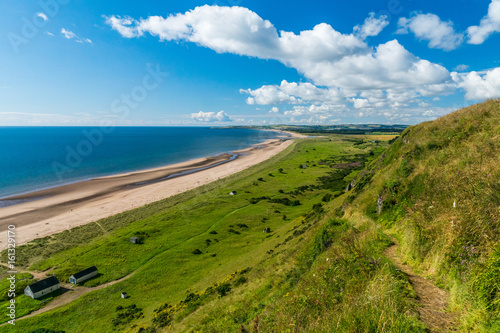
x: 36, y: 158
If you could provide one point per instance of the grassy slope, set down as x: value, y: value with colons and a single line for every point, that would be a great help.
x: 165, y: 266
x: 440, y: 187
x: 323, y: 269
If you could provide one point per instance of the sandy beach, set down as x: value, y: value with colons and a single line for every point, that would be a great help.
x: 50, y: 211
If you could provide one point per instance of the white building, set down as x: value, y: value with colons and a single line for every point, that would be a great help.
x: 83, y: 275
x: 42, y: 287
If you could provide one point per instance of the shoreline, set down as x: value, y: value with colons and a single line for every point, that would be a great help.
x: 64, y: 207
x: 21, y: 196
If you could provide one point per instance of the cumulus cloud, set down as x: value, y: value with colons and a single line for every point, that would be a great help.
x: 429, y: 27
x: 371, y: 27
x: 360, y: 103
x: 291, y: 93
x: 71, y: 35
x: 345, y: 74
x: 323, y: 55
x: 220, y: 116
x: 42, y: 16
x: 488, y: 25
x: 479, y: 86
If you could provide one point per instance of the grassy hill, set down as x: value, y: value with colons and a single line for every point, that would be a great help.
x: 206, y: 265
x: 437, y: 191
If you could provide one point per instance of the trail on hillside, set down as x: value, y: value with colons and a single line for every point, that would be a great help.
x: 432, y: 300
x: 70, y: 294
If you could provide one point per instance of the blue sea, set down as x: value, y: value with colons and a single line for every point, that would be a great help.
x: 35, y: 158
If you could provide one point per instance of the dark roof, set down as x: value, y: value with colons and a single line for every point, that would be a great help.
x: 84, y: 272
x: 43, y: 284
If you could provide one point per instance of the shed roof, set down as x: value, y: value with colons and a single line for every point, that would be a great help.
x: 85, y: 272
x: 43, y: 284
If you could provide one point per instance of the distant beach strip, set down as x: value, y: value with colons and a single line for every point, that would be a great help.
x: 53, y: 210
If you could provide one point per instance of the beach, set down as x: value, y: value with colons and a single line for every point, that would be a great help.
x: 54, y: 210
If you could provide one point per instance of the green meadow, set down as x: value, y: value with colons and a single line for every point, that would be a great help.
x: 197, y: 243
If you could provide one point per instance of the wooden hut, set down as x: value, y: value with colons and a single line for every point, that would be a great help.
x: 83, y: 275
x: 42, y: 287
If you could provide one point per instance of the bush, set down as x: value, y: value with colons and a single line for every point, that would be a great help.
x: 196, y: 252
x: 239, y: 281
x: 223, y: 289
x: 234, y: 231
x: 327, y: 197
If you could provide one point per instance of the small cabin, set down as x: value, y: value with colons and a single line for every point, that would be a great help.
x: 134, y: 240
x: 42, y: 287
x: 124, y: 295
x: 83, y: 275
x: 267, y: 230
x: 233, y: 193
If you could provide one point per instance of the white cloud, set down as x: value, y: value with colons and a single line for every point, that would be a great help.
x: 126, y: 26
x: 371, y: 27
x: 291, y: 93
x: 488, y: 25
x: 211, y: 116
x: 429, y: 27
x: 461, y: 68
x: 323, y: 55
x: 274, y: 109
x: 43, y: 16
x: 360, y: 103
x: 479, y: 86
x: 68, y: 34
x: 50, y: 34
x: 71, y: 35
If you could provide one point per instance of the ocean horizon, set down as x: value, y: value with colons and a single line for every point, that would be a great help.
x: 37, y: 158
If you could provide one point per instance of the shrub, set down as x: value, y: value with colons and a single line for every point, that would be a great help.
x: 234, y: 231
x: 223, y: 289
x: 327, y: 197
x: 197, y: 251
x: 239, y: 281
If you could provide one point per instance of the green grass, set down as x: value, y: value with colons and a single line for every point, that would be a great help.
x: 166, y: 270
x: 439, y: 183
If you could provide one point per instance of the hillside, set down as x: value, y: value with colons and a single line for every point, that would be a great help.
x: 419, y: 220
x: 437, y: 191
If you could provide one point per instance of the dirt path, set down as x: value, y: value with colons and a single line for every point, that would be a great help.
x: 433, y: 301
x: 36, y: 275
x: 70, y: 294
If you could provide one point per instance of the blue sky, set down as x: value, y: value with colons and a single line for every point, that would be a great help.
x: 231, y: 62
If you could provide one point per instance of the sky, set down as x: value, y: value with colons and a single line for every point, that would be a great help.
x: 244, y: 62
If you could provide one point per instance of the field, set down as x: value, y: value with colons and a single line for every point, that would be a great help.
x: 198, y: 244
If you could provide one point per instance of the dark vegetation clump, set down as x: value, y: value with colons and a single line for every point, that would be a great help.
x: 126, y: 315
x: 236, y: 232
x: 285, y: 201
x: 223, y: 289
x: 197, y: 251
